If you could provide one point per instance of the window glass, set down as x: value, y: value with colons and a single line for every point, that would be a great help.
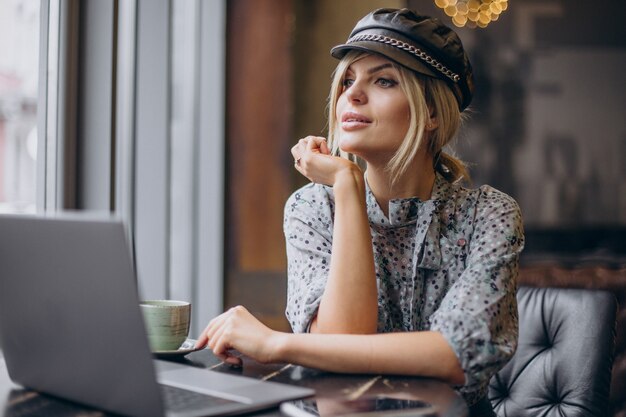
x: 19, y: 69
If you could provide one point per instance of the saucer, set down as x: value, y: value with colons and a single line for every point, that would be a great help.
x: 186, y: 348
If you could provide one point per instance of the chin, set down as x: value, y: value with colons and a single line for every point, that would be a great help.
x: 351, y: 150
x: 350, y: 146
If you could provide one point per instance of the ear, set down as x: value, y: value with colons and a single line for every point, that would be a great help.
x: 432, y: 124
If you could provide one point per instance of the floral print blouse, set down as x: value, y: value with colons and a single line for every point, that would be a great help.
x: 448, y: 264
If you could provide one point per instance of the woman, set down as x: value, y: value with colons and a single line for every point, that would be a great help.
x: 400, y: 270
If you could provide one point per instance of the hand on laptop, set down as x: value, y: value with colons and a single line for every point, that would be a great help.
x: 240, y: 330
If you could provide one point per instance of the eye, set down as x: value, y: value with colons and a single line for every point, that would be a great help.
x: 386, y: 82
x: 347, y: 82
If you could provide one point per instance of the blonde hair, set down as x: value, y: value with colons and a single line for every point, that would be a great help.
x: 425, y: 95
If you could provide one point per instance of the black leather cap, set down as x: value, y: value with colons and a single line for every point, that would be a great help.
x: 420, y: 43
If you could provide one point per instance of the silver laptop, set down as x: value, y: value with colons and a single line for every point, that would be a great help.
x: 71, y: 326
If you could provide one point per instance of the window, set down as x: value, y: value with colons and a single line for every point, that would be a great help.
x: 19, y: 71
x: 149, y: 136
x: 179, y: 148
x: 131, y: 114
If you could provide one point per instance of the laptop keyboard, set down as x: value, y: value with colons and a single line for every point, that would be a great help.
x: 178, y: 399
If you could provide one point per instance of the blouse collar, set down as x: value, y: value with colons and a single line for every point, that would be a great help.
x: 407, y: 211
x: 404, y: 211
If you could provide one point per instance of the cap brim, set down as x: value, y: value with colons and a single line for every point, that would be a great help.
x: 391, y: 52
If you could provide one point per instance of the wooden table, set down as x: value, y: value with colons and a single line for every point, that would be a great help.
x: 15, y: 400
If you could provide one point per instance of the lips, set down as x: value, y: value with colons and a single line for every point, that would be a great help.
x: 351, y: 117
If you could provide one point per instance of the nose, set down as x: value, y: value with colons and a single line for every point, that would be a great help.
x: 356, y: 93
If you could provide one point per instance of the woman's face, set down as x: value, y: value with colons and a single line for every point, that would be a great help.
x: 372, y: 111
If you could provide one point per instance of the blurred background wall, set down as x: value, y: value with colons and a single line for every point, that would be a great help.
x: 546, y: 125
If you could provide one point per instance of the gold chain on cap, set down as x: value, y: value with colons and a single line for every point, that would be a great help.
x: 411, y: 49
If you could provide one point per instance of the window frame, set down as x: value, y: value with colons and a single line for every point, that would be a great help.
x: 105, y: 114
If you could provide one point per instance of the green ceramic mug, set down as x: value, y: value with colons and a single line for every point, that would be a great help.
x: 167, y: 323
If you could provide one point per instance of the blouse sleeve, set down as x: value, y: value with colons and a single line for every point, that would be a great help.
x: 478, y: 315
x: 308, y: 233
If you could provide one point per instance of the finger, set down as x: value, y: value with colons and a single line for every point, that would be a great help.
x: 300, y: 148
x: 222, y: 344
x: 295, y: 151
x: 314, y: 143
x: 201, y: 341
x: 221, y: 356
x: 215, y: 336
x: 233, y: 360
x: 204, y: 338
x: 324, y: 148
x: 214, y: 326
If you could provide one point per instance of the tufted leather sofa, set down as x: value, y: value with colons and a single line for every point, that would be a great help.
x: 563, y: 362
x: 591, y: 275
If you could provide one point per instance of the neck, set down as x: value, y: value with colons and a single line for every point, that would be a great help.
x: 417, y: 181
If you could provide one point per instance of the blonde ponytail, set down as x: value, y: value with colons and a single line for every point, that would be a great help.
x: 451, y: 168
